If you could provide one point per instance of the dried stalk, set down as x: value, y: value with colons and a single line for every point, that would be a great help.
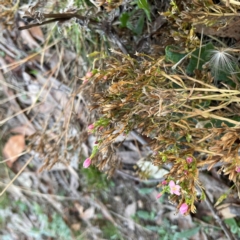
x: 222, y: 224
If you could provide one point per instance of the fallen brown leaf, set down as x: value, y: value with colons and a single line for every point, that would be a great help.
x: 87, y: 214
x: 27, y: 38
x: 76, y: 226
x: 37, y: 33
x: 13, y: 148
x: 229, y: 210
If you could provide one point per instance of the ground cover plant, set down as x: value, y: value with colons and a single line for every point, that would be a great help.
x: 112, y: 82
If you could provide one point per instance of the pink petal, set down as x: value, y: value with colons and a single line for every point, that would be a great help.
x: 89, y: 74
x: 177, y: 187
x: 183, y: 208
x: 91, y: 127
x: 87, y: 163
x: 101, y: 128
x: 164, y: 182
x: 159, y: 195
x: 174, y: 189
x: 171, y: 184
x: 189, y: 159
x: 238, y: 169
x: 177, y: 192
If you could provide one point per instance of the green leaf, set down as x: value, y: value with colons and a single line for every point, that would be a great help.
x: 172, y: 54
x: 231, y: 222
x: 139, y: 28
x: 143, y: 4
x: 234, y: 229
x: 186, y: 234
x: 143, y: 214
x: 188, y: 138
x: 199, y: 57
x: 124, y: 19
x: 152, y: 215
x: 2, y: 54
x: 144, y: 191
x: 94, y: 151
x: 153, y: 228
x: 221, y: 198
x: 34, y: 72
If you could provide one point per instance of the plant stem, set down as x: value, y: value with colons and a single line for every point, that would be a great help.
x: 221, y: 223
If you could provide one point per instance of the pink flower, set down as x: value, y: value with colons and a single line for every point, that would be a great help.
x: 91, y: 127
x: 105, y: 77
x: 174, y: 189
x: 159, y: 195
x: 189, y: 160
x: 164, y: 182
x: 238, y: 169
x: 101, y: 128
x: 85, y: 81
x: 89, y: 74
x: 87, y: 163
x: 183, y: 208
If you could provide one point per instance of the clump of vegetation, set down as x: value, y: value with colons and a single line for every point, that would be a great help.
x: 188, y: 112
x: 185, y: 99
x: 7, y: 12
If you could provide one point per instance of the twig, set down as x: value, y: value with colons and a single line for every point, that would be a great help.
x: 222, y: 224
x: 16, y: 176
x: 136, y: 224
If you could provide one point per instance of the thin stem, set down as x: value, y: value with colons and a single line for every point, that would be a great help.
x: 16, y: 176
x: 221, y: 223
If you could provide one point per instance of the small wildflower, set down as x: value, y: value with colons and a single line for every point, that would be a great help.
x: 91, y: 127
x: 101, y: 128
x: 105, y: 77
x: 238, y: 169
x: 189, y: 160
x: 174, y: 189
x: 155, y: 153
x: 183, y: 208
x: 159, y: 195
x: 89, y: 74
x: 164, y: 182
x: 87, y: 163
x: 85, y: 81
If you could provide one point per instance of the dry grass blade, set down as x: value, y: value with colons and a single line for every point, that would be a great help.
x: 17, y: 175
x: 26, y: 59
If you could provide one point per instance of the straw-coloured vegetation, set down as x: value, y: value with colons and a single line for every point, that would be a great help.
x: 165, y: 72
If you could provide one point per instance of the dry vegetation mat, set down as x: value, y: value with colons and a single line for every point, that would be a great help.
x: 146, y: 92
